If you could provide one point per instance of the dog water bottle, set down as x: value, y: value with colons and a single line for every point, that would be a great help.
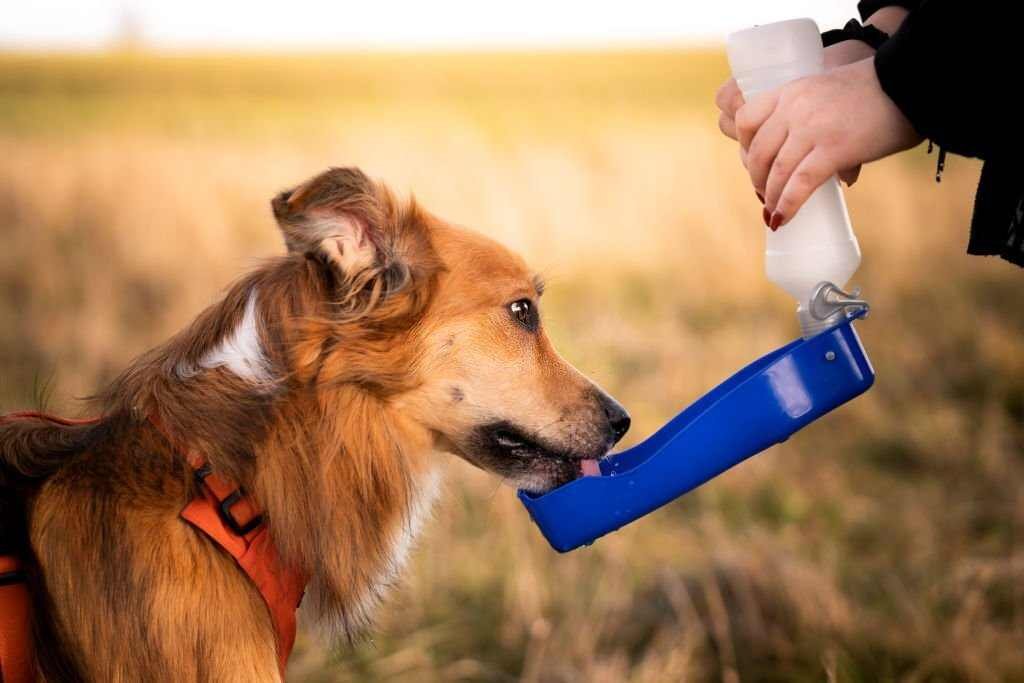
x: 775, y: 396
x: 814, y: 255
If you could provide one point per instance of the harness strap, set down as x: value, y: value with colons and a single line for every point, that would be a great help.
x: 38, y: 415
x: 228, y: 517
x: 223, y: 512
x: 16, y: 662
x: 226, y: 514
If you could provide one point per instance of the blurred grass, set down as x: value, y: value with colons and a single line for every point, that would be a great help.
x: 881, y: 544
x: 296, y: 95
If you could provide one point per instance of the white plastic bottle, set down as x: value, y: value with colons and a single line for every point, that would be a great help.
x: 817, y: 244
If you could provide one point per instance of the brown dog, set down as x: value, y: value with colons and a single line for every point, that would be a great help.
x: 327, y: 383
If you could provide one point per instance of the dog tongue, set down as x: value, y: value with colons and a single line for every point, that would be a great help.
x: 590, y: 468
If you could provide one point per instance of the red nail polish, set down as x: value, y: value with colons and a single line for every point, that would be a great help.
x: 760, y: 197
x: 766, y: 217
x: 775, y: 221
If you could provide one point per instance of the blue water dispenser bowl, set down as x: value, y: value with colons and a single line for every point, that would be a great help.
x: 761, y: 405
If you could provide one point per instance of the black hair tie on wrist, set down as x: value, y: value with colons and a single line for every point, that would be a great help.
x: 853, y: 30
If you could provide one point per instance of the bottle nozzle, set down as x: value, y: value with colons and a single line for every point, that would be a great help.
x: 828, y: 306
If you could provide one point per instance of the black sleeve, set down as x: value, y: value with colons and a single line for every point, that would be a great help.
x: 868, y: 7
x: 952, y: 69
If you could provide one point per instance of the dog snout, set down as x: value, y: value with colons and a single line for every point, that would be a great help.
x: 618, y: 418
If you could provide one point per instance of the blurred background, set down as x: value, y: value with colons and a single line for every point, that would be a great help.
x: 140, y: 144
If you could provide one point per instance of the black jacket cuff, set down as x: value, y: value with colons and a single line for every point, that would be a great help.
x: 939, y: 80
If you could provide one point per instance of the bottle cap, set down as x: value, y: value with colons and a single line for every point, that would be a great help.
x: 768, y: 45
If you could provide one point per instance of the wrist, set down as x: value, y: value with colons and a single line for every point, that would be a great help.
x: 888, y: 19
x: 847, y: 52
x: 891, y: 131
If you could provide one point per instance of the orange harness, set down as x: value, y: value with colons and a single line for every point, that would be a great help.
x: 224, y: 513
x: 16, y: 665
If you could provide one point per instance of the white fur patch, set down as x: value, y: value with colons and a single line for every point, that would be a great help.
x: 419, y: 510
x: 359, y: 612
x: 241, y: 351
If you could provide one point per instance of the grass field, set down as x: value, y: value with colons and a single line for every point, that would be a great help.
x: 884, y: 543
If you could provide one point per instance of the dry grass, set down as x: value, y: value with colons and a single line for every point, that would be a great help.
x: 884, y: 543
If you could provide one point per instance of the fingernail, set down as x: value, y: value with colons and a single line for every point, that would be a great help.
x: 760, y: 196
x: 775, y: 221
x: 766, y: 217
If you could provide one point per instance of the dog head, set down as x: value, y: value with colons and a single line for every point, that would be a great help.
x: 445, y: 325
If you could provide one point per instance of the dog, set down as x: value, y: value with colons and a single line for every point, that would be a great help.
x: 328, y: 383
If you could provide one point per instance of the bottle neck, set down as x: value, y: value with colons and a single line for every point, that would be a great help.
x: 811, y: 326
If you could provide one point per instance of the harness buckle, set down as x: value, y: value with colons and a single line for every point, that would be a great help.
x: 224, y: 506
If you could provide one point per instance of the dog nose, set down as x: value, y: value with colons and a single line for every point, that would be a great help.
x: 618, y: 418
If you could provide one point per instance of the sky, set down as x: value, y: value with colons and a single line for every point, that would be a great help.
x: 389, y: 24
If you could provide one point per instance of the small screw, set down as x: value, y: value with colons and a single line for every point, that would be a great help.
x: 830, y: 355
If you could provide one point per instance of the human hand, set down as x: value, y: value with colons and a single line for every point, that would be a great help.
x: 797, y: 136
x: 729, y: 98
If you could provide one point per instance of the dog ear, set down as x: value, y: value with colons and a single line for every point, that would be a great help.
x: 337, y: 216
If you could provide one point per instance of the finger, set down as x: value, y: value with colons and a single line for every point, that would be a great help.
x: 751, y: 115
x: 808, y: 176
x: 743, y: 157
x: 850, y: 175
x: 770, y: 137
x: 729, y: 98
x: 727, y: 125
x: 788, y: 158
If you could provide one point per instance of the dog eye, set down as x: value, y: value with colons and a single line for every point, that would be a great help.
x: 524, y: 313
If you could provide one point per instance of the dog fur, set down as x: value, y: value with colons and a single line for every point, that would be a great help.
x: 329, y: 382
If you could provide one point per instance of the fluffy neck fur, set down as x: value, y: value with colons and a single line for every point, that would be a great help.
x: 341, y: 476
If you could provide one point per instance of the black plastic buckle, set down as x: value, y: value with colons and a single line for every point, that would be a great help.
x: 17, y: 576
x: 224, y: 506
